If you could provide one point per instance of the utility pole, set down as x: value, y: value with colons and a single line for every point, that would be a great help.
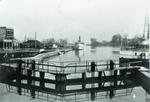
x: 146, y: 28
x: 35, y: 40
x: 148, y: 31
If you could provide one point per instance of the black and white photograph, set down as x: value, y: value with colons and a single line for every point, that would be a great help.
x: 74, y: 50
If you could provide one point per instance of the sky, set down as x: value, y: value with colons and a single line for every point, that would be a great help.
x: 70, y: 19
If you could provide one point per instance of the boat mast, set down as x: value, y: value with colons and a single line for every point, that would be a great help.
x: 148, y: 31
x: 146, y: 28
x: 79, y: 39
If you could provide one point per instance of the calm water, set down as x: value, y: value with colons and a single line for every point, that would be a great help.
x: 99, y: 53
x: 138, y: 94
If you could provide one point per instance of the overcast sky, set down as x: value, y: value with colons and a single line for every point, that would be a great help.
x: 71, y: 18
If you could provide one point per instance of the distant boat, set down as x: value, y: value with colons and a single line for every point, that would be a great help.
x: 79, y: 45
x: 136, y: 54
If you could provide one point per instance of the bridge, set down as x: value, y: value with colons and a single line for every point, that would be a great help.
x: 55, y: 78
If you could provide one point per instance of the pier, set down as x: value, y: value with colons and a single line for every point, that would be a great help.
x: 35, y: 54
x: 91, y: 77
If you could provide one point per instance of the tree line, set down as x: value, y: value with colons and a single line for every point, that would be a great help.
x: 118, y: 40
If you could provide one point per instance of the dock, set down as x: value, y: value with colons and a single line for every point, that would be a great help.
x: 105, y: 76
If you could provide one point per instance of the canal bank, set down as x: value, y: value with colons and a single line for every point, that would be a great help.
x: 35, y: 54
x: 48, y: 54
x: 6, y: 55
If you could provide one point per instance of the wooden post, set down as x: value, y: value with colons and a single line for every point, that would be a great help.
x: 60, y: 82
x: 33, y: 82
x: 29, y: 74
x: 93, y: 95
x: 93, y: 69
x: 111, y: 65
x: 111, y: 93
x: 83, y: 79
x: 93, y: 73
x: 111, y: 70
x: 42, y: 75
x: 100, y: 79
x: 115, y: 78
x: 3, y: 44
x: 83, y: 76
x: 27, y: 62
x: 60, y: 77
x: 33, y: 65
x: 93, y: 66
x: 18, y: 80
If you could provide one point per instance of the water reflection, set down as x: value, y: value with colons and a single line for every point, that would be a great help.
x: 104, y: 94
x: 79, y: 54
x: 93, y: 47
x: 89, y: 53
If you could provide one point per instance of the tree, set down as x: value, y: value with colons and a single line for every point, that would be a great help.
x: 48, y: 43
x: 94, y: 42
x: 63, y: 42
x: 137, y: 40
x: 116, y: 40
x: 124, y: 41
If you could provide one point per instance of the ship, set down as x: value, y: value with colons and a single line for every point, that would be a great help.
x: 79, y: 45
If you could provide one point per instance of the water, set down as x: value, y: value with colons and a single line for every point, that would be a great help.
x: 137, y: 94
x: 98, y: 53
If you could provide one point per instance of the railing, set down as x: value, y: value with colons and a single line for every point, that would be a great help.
x: 72, y: 97
x: 73, y: 67
x: 67, y: 67
x: 29, y: 87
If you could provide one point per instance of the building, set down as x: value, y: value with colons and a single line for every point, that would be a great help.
x: 6, y: 33
x: 32, y: 44
x: 7, y: 40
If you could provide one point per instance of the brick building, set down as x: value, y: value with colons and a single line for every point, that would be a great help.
x: 7, y: 40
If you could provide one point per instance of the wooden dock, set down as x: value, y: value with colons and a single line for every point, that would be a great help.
x: 105, y: 76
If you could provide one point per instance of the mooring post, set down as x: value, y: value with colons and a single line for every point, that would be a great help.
x: 111, y: 94
x: 93, y: 95
x: 42, y: 75
x: 115, y: 77
x: 33, y: 82
x: 112, y: 71
x: 29, y: 73
x: 33, y: 65
x: 27, y: 62
x: 93, y: 65
x: 111, y: 65
x: 18, y: 79
x: 83, y: 76
x: 113, y: 74
x: 60, y: 77
x: 100, y: 79
x: 60, y: 87
x: 32, y: 93
x: 60, y: 82
x: 83, y: 80
x: 145, y: 63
